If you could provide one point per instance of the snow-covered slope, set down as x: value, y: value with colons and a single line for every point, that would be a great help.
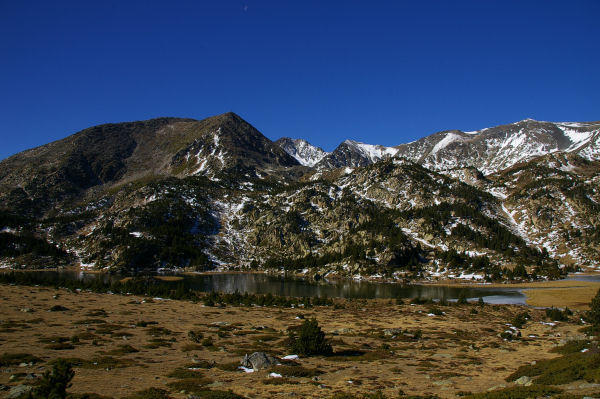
x: 373, y: 152
x: 488, y: 150
x: 495, y: 149
x: 304, y: 152
x: 352, y: 154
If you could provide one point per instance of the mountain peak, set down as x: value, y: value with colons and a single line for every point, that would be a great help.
x: 304, y: 152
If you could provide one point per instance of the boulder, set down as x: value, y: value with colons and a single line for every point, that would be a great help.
x: 18, y: 391
x: 259, y: 361
x: 525, y: 381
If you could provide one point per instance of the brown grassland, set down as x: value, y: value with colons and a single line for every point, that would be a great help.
x: 120, y: 345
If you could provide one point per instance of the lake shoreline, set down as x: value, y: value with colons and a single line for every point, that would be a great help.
x: 572, y: 293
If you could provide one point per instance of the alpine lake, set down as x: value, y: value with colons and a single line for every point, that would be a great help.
x: 280, y: 285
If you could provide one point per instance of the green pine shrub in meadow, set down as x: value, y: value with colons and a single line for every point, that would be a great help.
x: 309, y: 340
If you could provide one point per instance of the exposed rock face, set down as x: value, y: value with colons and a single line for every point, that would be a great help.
x: 179, y: 193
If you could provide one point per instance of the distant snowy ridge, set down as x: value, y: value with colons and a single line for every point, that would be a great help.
x: 304, y: 152
x: 489, y: 150
x: 494, y: 149
x: 373, y: 152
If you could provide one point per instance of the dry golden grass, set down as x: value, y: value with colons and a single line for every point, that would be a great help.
x: 574, y: 294
x: 558, y: 293
x: 142, y: 342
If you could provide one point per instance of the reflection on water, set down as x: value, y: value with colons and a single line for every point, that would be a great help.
x: 287, y: 286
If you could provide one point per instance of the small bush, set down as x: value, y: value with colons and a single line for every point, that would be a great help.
x: 58, y: 308
x: 418, y: 335
x: 296, y: 371
x: 309, y: 340
x: 555, y: 314
x: 195, y: 336
x: 510, y: 335
x: 143, y: 323
x: 520, y: 319
x: 435, y: 311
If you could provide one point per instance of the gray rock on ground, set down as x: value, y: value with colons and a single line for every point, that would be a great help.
x: 392, y: 331
x: 524, y: 380
x: 18, y: 391
x: 259, y: 361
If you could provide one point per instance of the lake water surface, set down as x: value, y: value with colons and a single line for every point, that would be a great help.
x: 297, y: 287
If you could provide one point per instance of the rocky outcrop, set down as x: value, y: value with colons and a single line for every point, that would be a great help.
x: 259, y: 361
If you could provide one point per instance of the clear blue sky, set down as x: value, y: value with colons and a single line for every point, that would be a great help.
x: 384, y: 72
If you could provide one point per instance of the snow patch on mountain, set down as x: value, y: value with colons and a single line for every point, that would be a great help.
x: 373, y: 152
x: 450, y: 137
x: 304, y: 152
x: 578, y: 138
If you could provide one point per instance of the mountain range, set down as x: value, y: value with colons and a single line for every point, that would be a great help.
x: 517, y: 201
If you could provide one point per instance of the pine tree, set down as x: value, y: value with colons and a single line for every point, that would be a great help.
x: 54, y: 384
x: 594, y: 313
x: 310, y: 340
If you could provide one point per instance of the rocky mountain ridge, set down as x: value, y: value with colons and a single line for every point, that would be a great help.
x: 178, y: 193
x: 304, y: 152
x: 489, y: 150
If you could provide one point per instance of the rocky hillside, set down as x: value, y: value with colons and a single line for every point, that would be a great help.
x: 495, y: 149
x: 514, y: 202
